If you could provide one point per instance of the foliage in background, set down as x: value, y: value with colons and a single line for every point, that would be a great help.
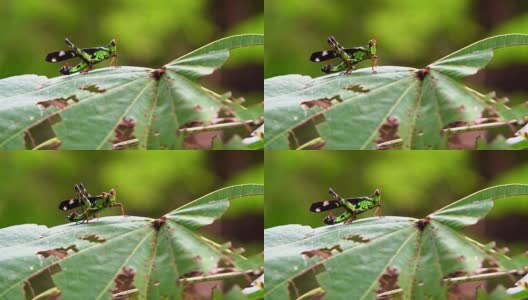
x: 150, y: 33
x: 156, y: 108
x: 136, y: 256
x: 436, y: 30
x: 388, y: 255
x: 412, y: 108
x: 148, y: 183
x: 409, y: 33
x: 412, y: 184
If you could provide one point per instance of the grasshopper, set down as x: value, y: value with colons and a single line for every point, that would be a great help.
x: 349, y: 56
x: 94, y: 204
x: 88, y: 56
x: 353, y: 207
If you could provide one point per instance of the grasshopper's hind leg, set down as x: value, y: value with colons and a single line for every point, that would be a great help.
x: 84, y: 56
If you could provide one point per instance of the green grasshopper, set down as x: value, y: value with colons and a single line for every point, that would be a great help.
x: 89, y: 57
x: 94, y: 204
x: 353, y: 207
x: 349, y: 56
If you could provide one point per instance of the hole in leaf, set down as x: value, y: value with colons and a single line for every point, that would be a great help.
x: 356, y: 238
x: 389, y: 130
x: 41, y: 283
x: 305, y: 282
x: 59, y: 103
x: 388, y: 281
x: 323, y: 103
x: 124, y: 284
x: 93, y: 238
x: 92, y: 88
x: 42, y: 134
x: 307, y: 132
x: 59, y: 253
x: 124, y: 130
x: 323, y: 252
x: 358, y: 88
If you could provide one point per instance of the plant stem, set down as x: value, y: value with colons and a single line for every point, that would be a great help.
x: 193, y: 130
x: 452, y: 131
x: 314, y: 142
x: 220, y: 276
x: 457, y: 280
x: 313, y: 292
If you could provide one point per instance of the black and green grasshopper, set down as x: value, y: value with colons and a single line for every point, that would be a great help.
x: 89, y: 56
x: 353, y: 206
x: 89, y: 204
x: 349, y: 56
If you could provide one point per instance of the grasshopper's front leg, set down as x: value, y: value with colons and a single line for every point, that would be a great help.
x: 374, y: 61
x: 120, y: 205
x: 377, y: 211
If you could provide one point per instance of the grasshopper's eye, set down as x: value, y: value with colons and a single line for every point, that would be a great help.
x: 372, y: 43
x: 113, y: 42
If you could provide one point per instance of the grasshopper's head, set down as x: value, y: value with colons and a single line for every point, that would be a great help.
x: 112, y: 47
x: 327, y: 68
x: 330, y: 219
x: 66, y: 69
x: 72, y: 217
x: 110, y: 196
x: 372, y: 46
x: 376, y: 197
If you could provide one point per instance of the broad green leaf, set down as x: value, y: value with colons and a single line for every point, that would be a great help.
x: 365, y: 109
x: 119, y: 254
x: 375, y: 255
x: 112, y: 105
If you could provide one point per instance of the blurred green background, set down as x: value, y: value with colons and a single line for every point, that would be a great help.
x: 151, y: 34
x: 148, y: 183
x: 413, y: 184
x: 410, y: 33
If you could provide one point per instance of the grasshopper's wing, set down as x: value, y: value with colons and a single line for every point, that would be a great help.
x: 324, y: 205
x: 89, y: 199
x: 69, y: 204
x: 323, y: 55
x: 60, y: 55
x: 68, y: 54
x: 72, y: 203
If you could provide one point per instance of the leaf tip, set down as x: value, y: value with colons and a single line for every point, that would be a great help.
x: 156, y: 74
x: 421, y: 73
x: 422, y: 223
x: 156, y: 224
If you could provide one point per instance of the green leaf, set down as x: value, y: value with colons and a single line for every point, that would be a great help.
x: 119, y: 254
x: 365, y: 109
x: 520, y: 139
x: 376, y: 255
x: 112, y: 105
